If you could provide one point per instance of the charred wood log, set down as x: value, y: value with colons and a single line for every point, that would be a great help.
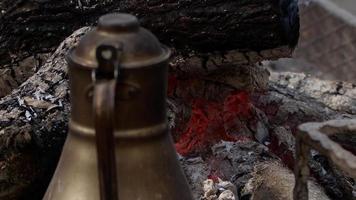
x: 30, y: 26
x: 203, y: 33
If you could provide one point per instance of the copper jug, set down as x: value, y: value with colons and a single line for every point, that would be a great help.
x: 118, y: 146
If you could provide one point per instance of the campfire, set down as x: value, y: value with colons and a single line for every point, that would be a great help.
x: 241, y: 130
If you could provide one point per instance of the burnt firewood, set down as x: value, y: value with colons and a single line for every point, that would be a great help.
x: 31, y: 26
x: 203, y: 33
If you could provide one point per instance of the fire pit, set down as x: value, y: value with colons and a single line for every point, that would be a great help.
x: 233, y: 122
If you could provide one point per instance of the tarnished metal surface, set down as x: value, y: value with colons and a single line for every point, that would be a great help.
x: 317, y: 136
x: 118, y: 145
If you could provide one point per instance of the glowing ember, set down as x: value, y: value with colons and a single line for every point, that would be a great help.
x: 211, y: 122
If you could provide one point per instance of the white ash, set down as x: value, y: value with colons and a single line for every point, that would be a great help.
x: 221, y: 190
x: 227, y: 195
x: 336, y: 95
x: 210, y: 190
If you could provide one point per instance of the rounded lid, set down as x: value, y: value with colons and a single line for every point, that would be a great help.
x: 138, y: 46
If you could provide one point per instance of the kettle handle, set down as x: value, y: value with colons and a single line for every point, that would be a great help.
x: 105, y: 79
x: 104, y: 104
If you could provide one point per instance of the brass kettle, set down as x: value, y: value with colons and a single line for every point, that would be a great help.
x: 118, y: 146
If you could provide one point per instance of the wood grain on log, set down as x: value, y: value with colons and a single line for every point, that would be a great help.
x: 202, y: 32
x: 31, y: 26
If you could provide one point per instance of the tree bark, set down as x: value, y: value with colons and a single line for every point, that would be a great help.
x: 31, y: 26
x: 203, y: 33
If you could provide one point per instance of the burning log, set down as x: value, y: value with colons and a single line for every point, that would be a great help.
x: 31, y: 26
x: 202, y: 32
